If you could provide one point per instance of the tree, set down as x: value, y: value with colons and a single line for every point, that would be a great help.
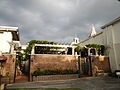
x: 78, y: 48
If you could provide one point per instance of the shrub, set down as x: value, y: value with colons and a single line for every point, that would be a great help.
x: 39, y: 72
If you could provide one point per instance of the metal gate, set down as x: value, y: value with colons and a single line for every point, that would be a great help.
x: 84, y: 66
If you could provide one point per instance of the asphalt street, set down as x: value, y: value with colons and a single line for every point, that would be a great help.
x: 86, y: 83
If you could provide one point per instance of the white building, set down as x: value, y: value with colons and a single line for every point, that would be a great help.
x: 9, y: 39
x: 59, y: 48
x: 23, y: 47
x: 110, y: 38
x: 75, y: 41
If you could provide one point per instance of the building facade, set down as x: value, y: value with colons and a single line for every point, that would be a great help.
x: 9, y: 39
x: 110, y: 38
x: 9, y: 45
x: 54, y: 49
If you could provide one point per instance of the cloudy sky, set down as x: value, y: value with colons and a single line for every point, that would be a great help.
x: 57, y: 20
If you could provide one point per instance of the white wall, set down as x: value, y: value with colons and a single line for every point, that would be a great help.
x: 111, y: 39
x: 112, y: 36
x: 116, y: 32
x: 109, y: 44
x: 5, y: 38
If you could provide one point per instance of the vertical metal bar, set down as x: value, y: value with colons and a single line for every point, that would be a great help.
x: 15, y: 66
x: 0, y: 74
x: 29, y: 68
x: 90, y: 65
x: 78, y: 66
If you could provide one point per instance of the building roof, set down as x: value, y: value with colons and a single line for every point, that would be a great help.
x: 111, y: 23
x: 91, y: 37
x: 8, y: 28
x: 13, y: 30
x: 51, y: 45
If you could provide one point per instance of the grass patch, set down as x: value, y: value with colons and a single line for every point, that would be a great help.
x: 45, y: 89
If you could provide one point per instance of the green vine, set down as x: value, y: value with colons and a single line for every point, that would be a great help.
x: 31, y: 43
x: 99, y: 48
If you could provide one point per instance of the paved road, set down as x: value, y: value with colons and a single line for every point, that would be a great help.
x: 87, y: 83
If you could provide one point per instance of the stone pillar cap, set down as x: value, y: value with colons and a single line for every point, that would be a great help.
x: 3, y: 58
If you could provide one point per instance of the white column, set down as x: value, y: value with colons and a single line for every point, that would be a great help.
x: 73, y: 51
x: 96, y: 53
x: 12, y: 49
x: 33, y: 50
x: 89, y: 51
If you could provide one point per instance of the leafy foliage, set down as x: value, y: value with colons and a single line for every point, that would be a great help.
x: 94, y: 47
x: 43, y: 88
x: 100, y: 48
x: 78, y: 48
x: 84, y: 52
x: 39, y: 72
x: 32, y: 42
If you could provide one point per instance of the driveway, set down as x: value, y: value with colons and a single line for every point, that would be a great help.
x: 86, y: 83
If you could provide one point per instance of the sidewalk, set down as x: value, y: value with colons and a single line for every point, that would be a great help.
x: 86, y: 83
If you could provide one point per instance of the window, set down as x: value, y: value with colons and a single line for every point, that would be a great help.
x: 15, y: 36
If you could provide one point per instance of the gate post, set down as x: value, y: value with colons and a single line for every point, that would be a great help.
x: 78, y: 66
x: 90, y: 62
x: 29, y: 74
x: 17, y: 57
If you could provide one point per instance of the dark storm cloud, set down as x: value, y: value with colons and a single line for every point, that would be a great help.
x: 57, y: 20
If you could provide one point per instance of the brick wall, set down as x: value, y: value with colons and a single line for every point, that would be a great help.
x: 101, y: 62
x: 62, y: 62
x: 53, y: 62
x: 9, y: 66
